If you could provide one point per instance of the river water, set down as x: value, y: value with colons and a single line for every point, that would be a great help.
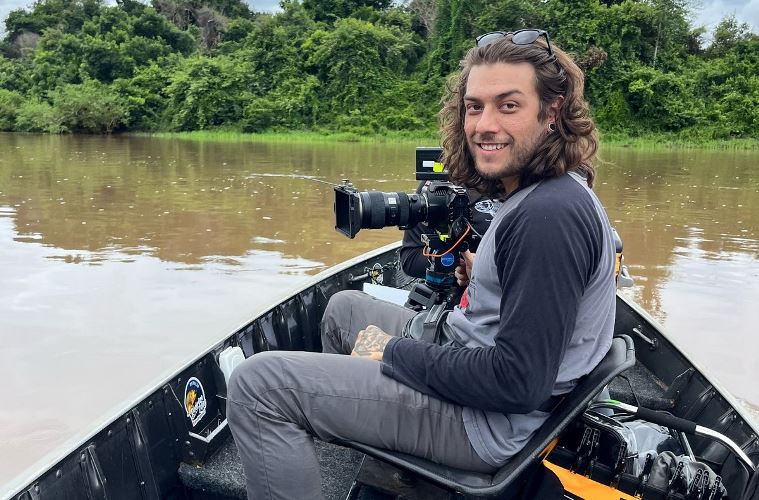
x: 123, y: 257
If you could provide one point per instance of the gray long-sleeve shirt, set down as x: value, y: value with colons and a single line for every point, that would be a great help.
x: 540, y: 315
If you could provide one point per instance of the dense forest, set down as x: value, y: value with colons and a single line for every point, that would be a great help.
x: 360, y: 66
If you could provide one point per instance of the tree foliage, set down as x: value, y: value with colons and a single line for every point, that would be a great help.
x: 207, y: 92
x: 332, y: 10
x: 364, y: 66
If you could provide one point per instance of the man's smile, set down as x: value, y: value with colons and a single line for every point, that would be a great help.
x: 487, y: 146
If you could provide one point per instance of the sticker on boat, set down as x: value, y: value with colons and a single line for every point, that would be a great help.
x: 194, y: 400
x: 376, y: 273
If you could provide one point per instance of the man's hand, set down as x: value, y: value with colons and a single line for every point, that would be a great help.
x: 464, y: 270
x: 371, y: 343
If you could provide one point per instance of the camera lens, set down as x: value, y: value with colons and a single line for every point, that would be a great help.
x: 384, y: 209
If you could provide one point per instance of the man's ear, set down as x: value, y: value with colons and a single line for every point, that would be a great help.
x: 553, y: 109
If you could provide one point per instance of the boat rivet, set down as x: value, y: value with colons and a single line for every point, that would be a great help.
x: 58, y: 473
x: 169, y: 413
x: 150, y: 404
x: 83, y: 457
x: 110, y: 433
x: 165, y: 390
x: 187, y: 443
x: 142, y: 483
x: 192, y: 454
x: 36, y: 488
x: 128, y: 420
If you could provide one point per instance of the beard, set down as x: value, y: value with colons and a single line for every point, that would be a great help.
x: 521, y: 155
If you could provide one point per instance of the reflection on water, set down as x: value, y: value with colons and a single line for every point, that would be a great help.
x: 84, y: 331
x: 125, y: 256
x: 181, y: 200
x: 690, y: 224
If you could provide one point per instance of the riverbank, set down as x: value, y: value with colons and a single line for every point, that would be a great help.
x: 648, y: 142
x: 299, y: 136
x: 676, y: 141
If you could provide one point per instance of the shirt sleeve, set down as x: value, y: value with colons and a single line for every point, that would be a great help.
x: 413, y: 262
x: 544, y: 258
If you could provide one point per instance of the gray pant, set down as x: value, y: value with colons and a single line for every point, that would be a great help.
x: 279, y: 400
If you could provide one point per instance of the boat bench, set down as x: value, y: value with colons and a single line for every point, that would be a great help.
x: 621, y: 356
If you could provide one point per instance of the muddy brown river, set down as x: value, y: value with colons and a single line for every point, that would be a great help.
x: 121, y: 258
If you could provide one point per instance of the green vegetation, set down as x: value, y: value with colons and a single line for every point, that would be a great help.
x: 357, y: 69
x: 649, y: 141
x: 220, y: 135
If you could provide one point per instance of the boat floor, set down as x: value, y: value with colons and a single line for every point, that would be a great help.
x: 222, y: 476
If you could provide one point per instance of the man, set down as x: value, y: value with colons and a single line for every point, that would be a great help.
x: 541, y: 298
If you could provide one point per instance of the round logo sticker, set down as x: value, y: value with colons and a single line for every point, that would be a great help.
x: 194, y: 400
x: 447, y: 259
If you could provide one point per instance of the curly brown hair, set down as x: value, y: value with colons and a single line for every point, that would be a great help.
x: 572, y: 147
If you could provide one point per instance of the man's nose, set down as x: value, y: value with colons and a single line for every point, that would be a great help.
x: 488, y: 122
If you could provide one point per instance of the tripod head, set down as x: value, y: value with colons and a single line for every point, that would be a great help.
x: 443, y: 254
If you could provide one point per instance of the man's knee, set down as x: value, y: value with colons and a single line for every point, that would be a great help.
x: 341, y: 302
x: 337, y: 317
x: 254, y: 377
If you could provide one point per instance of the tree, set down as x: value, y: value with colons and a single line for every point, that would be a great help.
x: 107, y: 46
x: 9, y: 103
x: 36, y: 115
x: 671, y: 27
x: 356, y: 60
x: 67, y: 15
x: 332, y: 10
x: 425, y: 11
x: 664, y: 101
x: 207, y: 92
x: 145, y: 95
x: 727, y: 35
x: 509, y: 15
x: 273, y: 49
x: 89, y: 107
x: 454, y: 34
x: 15, y: 74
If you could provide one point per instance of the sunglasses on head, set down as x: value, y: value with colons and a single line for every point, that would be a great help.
x: 519, y: 37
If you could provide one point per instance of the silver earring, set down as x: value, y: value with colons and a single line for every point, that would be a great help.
x: 552, y: 127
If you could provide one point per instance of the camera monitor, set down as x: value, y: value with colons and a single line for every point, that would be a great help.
x: 429, y: 166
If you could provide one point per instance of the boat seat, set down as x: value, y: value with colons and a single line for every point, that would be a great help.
x: 620, y: 357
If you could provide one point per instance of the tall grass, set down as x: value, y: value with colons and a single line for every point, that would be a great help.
x: 674, y: 141
x: 299, y: 136
x: 612, y: 139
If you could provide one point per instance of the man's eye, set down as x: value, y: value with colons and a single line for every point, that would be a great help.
x: 473, y: 108
x: 509, y: 106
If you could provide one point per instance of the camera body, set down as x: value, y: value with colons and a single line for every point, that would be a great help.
x: 439, y: 204
x: 442, y: 206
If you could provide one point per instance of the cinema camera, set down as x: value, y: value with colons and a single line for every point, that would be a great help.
x: 441, y: 206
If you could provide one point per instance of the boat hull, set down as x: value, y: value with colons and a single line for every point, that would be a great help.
x: 138, y: 453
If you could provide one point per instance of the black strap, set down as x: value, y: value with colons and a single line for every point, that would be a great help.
x: 433, y: 322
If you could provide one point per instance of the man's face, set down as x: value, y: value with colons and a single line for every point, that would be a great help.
x: 501, y: 121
